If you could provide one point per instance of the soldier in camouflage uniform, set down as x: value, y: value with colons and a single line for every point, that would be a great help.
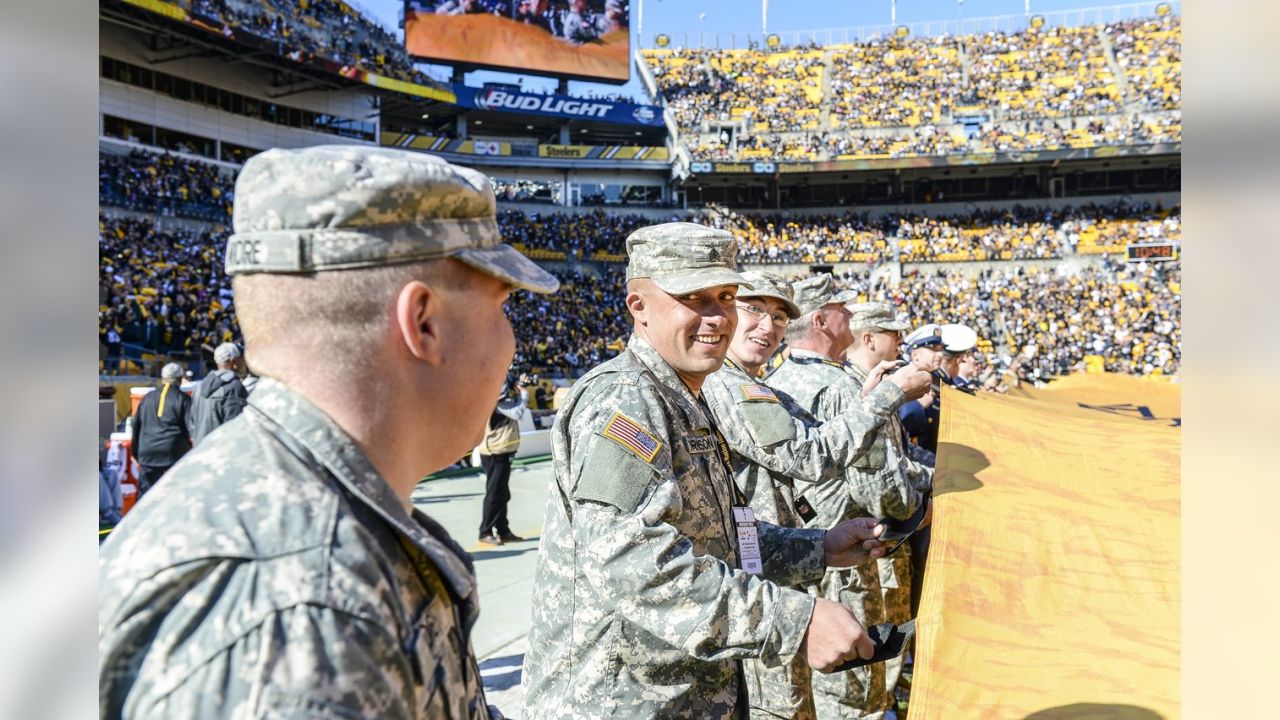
x: 876, y: 337
x: 280, y: 570
x: 815, y: 377
x: 650, y: 588
x: 773, y: 441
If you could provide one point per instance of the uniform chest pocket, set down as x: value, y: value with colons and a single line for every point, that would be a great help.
x: 768, y: 422
x: 875, y: 456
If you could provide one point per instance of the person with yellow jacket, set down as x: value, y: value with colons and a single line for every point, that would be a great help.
x: 501, y: 440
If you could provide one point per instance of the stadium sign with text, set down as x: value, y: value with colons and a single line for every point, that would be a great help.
x: 557, y: 106
x: 582, y: 39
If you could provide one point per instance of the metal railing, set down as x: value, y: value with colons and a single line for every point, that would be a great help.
x: 960, y: 26
x: 134, y: 359
x: 110, y: 195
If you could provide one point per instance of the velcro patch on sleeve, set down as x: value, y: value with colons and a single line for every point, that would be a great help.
x: 753, y: 391
x: 629, y: 434
x: 614, y: 475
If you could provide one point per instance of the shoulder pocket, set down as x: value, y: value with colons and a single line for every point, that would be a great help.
x: 768, y: 421
x: 614, y: 475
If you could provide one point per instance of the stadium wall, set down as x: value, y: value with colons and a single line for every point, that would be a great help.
x: 1167, y: 199
x: 1072, y: 264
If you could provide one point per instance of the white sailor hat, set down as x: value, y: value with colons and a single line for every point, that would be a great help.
x: 957, y: 338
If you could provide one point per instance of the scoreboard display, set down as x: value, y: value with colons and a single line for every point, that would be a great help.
x: 581, y: 39
x: 1151, y: 252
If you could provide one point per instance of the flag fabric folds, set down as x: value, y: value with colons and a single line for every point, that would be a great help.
x: 1052, y: 588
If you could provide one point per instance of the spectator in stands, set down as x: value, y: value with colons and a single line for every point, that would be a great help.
x: 160, y: 436
x: 221, y: 395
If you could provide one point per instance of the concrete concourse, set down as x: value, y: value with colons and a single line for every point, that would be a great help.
x: 505, y: 574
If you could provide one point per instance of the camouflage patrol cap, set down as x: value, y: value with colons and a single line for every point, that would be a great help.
x: 767, y: 284
x: 682, y: 257
x: 814, y: 292
x: 339, y: 207
x: 875, y: 315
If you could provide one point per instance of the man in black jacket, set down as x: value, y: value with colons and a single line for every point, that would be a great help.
x: 160, y: 434
x: 221, y: 395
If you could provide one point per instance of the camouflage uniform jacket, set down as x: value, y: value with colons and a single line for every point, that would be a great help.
x: 639, y: 610
x: 895, y: 448
x: 773, y: 440
x: 275, y: 574
x: 825, y: 389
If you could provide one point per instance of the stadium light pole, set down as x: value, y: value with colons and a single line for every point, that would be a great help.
x: 893, y: 13
x: 764, y: 16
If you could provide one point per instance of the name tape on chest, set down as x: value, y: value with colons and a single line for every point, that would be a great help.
x: 700, y: 444
x: 630, y: 435
x: 753, y: 391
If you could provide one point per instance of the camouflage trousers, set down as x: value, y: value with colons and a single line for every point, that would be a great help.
x: 895, y: 588
x: 861, y: 692
x: 780, y: 692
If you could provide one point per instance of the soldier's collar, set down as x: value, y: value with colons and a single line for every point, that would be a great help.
x: 857, y: 371
x: 809, y: 357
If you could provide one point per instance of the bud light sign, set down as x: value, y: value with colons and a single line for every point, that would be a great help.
x: 557, y: 106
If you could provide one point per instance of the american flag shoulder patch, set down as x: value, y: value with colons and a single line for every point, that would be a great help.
x: 628, y: 433
x: 752, y: 391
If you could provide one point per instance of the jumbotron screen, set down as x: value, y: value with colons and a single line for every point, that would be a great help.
x: 586, y: 39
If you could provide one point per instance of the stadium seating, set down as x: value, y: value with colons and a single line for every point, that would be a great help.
x: 306, y: 29
x: 1150, y: 51
x: 1050, y: 88
x: 165, y: 184
x: 163, y: 293
x: 1049, y: 323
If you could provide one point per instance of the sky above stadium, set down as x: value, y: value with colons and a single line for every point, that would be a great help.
x: 690, y: 17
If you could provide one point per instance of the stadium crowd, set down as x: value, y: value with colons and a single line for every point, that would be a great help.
x: 577, y: 328
x: 1021, y: 232
x: 161, y: 292
x: 164, y: 184
x: 895, y: 82
x: 775, y: 238
x: 308, y: 30
x: 1051, y: 72
x: 1037, y: 89
x: 1052, y: 323
x: 569, y: 235
x: 1150, y: 51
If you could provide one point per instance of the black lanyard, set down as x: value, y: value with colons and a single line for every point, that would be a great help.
x: 726, y: 459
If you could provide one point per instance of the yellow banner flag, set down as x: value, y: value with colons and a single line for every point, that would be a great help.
x: 1052, y: 588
